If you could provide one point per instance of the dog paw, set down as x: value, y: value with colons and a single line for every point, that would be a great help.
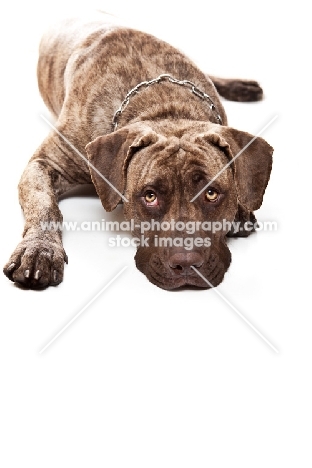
x: 244, y: 91
x: 244, y: 224
x: 238, y: 89
x: 37, y: 263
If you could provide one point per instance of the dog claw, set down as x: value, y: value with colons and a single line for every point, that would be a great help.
x: 55, y: 276
x: 37, y: 274
x: 26, y: 273
x: 11, y: 267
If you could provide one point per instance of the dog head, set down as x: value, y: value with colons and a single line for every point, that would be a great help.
x: 183, y: 189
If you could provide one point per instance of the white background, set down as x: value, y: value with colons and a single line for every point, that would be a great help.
x: 145, y: 377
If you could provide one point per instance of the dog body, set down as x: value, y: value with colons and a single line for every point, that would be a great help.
x: 168, y: 141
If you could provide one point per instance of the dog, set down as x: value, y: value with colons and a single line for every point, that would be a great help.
x: 139, y: 120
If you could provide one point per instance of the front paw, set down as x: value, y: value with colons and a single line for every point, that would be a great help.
x: 244, y: 224
x: 37, y: 263
x: 245, y: 91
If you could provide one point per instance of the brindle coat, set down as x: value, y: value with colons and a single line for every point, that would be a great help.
x: 167, y: 147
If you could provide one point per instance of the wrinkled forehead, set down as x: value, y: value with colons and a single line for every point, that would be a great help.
x: 174, y: 159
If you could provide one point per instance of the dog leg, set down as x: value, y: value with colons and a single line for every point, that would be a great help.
x: 237, y: 89
x: 38, y: 261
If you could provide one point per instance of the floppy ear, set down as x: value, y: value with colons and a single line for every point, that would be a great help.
x: 109, y: 157
x: 252, y: 162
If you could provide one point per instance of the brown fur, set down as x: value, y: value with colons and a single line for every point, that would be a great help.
x: 167, y: 139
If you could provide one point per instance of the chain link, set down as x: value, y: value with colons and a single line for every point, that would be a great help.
x: 144, y: 84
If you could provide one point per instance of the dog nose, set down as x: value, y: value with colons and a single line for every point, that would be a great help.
x: 183, y: 261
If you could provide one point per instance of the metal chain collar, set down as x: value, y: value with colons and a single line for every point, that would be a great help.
x: 164, y: 77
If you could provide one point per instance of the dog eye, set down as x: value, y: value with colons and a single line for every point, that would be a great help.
x: 211, y: 195
x: 150, y: 198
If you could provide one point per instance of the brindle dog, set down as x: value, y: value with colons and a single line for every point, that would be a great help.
x: 167, y: 143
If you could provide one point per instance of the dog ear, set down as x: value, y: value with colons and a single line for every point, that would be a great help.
x: 109, y: 157
x: 252, y: 162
